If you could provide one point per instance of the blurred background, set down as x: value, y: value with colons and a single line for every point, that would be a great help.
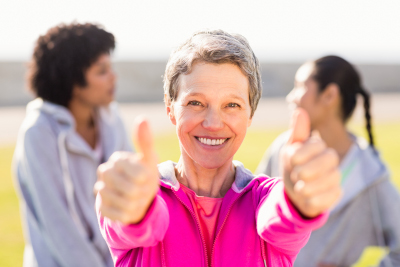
x: 282, y: 33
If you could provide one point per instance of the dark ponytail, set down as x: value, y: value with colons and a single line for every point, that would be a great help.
x: 367, y: 105
x: 334, y: 69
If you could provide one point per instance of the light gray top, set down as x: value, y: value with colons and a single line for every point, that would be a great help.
x: 367, y: 215
x: 55, y: 171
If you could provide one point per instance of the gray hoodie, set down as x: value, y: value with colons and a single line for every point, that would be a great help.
x: 55, y: 171
x: 367, y: 215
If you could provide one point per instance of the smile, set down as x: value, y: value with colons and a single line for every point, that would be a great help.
x: 211, y: 142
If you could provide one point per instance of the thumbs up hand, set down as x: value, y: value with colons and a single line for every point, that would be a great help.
x: 128, y: 182
x: 310, y: 169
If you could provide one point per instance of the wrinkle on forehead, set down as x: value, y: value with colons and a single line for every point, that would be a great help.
x: 206, y: 76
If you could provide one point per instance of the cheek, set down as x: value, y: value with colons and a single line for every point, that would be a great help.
x: 303, y: 99
x: 186, y: 121
x: 101, y: 83
x: 240, y: 127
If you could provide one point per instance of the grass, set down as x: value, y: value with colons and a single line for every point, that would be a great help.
x: 251, y: 151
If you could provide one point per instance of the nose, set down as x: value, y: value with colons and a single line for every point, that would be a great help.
x: 290, y: 97
x: 213, y: 120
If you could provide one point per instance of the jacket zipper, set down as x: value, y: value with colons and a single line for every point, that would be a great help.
x: 222, y: 226
x: 263, y: 252
x: 198, y: 226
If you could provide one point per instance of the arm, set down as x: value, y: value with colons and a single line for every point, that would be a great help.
x: 278, y: 221
x: 289, y: 210
x: 389, y: 203
x: 130, y: 208
x: 40, y: 173
x: 146, y: 233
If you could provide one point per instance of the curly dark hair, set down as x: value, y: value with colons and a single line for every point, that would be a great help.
x: 62, y: 56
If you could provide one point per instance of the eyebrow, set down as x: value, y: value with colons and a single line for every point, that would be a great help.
x: 101, y: 64
x: 228, y: 96
x: 236, y: 97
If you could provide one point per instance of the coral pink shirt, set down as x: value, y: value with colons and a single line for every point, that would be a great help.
x: 207, y: 211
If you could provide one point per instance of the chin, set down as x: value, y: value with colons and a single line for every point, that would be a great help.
x: 211, y: 164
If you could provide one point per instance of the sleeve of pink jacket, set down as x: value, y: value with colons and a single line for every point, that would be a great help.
x: 147, y: 233
x: 279, y: 223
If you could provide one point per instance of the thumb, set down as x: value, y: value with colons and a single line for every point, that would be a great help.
x: 301, y: 126
x: 144, y: 140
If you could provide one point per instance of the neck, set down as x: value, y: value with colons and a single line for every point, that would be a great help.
x: 205, y: 182
x: 335, y: 135
x: 82, y: 114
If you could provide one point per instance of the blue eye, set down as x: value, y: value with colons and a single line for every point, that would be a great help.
x: 233, y: 105
x: 194, y: 103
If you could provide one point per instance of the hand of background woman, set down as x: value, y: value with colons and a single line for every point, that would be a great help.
x: 311, y: 173
x: 128, y: 182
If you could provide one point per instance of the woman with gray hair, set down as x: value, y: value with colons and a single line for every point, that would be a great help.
x: 207, y: 209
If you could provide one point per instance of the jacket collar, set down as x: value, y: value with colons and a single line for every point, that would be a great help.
x: 242, y: 176
x: 361, y: 168
x: 64, y: 122
x: 243, y: 181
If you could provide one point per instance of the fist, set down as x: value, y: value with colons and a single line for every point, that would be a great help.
x: 310, y: 169
x: 128, y: 182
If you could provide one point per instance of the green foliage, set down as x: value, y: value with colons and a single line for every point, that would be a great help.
x: 167, y: 146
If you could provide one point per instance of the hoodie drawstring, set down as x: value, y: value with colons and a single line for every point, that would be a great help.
x: 69, y: 187
x: 264, y: 256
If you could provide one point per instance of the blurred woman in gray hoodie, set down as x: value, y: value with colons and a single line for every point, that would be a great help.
x: 369, y: 212
x: 69, y: 129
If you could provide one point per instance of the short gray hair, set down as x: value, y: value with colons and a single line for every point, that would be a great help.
x: 216, y: 46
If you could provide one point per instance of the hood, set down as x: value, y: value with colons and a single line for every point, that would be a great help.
x: 243, y: 176
x: 361, y: 168
x: 63, y: 123
x: 61, y: 114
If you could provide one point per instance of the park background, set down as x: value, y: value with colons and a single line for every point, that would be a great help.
x: 282, y: 33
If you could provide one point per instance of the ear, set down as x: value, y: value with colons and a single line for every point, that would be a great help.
x: 249, y: 122
x: 331, y: 95
x: 170, y: 109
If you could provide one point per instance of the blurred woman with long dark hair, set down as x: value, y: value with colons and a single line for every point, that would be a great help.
x: 369, y: 213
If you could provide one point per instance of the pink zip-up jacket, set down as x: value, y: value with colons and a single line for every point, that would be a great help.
x: 257, y: 226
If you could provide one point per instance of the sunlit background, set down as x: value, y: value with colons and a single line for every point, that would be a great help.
x: 282, y: 33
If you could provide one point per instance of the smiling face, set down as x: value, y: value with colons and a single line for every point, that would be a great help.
x: 100, y: 84
x: 211, y: 113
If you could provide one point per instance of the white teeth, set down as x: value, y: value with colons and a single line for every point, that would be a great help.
x: 212, y: 142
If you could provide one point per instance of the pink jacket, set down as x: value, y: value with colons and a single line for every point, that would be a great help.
x: 257, y: 226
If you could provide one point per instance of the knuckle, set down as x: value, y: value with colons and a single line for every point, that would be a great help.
x: 306, y: 192
x: 303, y: 174
x: 116, y: 156
x: 102, y: 169
x: 129, y: 190
x: 291, y: 153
